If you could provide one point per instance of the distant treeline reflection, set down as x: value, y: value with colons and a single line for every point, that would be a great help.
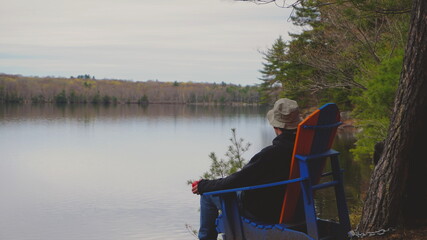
x: 86, y: 89
x: 89, y: 112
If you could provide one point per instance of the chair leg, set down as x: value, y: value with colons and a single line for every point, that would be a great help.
x: 232, y: 222
x: 309, y: 208
x: 340, y: 196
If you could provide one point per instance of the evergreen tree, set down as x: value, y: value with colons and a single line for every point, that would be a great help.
x: 221, y: 168
x: 273, y: 72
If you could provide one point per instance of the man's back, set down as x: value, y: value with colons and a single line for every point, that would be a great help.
x: 265, y: 204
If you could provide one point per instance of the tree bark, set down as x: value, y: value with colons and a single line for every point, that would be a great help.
x: 397, y: 196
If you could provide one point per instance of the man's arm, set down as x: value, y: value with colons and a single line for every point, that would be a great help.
x: 248, y: 175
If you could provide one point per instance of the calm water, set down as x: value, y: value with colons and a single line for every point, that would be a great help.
x: 120, y: 172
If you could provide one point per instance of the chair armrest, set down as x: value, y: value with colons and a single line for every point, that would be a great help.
x: 328, y: 153
x: 254, y: 187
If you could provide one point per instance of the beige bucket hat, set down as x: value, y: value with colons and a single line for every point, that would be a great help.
x: 285, y: 114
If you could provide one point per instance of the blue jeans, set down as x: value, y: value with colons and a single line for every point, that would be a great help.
x: 209, y: 206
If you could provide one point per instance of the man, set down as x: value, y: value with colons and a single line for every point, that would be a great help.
x: 269, y: 165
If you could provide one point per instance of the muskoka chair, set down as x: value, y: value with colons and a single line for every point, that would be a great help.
x: 312, y: 150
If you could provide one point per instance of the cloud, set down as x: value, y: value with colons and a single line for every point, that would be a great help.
x: 187, y: 40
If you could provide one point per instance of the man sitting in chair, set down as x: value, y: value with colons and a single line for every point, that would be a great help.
x: 271, y: 164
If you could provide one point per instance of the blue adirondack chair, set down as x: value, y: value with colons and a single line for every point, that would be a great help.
x: 312, y: 150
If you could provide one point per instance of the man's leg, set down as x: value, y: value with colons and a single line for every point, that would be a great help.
x: 209, y: 206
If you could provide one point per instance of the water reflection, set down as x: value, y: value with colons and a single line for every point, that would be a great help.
x: 116, y: 172
x: 356, y: 178
x: 119, y: 172
x: 90, y: 112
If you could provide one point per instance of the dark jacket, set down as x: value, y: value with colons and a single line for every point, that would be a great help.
x: 271, y: 164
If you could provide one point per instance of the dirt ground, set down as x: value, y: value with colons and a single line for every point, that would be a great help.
x: 404, y: 234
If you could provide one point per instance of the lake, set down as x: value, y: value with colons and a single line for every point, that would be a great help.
x: 87, y: 172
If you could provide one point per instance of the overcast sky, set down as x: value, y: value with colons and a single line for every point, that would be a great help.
x: 168, y: 40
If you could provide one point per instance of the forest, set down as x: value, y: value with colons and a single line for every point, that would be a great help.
x: 348, y: 52
x: 369, y: 56
x: 87, y: 89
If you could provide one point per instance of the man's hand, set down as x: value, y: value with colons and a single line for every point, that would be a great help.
x: 195, y: 186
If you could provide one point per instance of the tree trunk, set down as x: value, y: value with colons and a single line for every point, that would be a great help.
x: 398, y: 192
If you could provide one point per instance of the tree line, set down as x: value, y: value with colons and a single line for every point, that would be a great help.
x: 87, y: 89
x: 350, y: 53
